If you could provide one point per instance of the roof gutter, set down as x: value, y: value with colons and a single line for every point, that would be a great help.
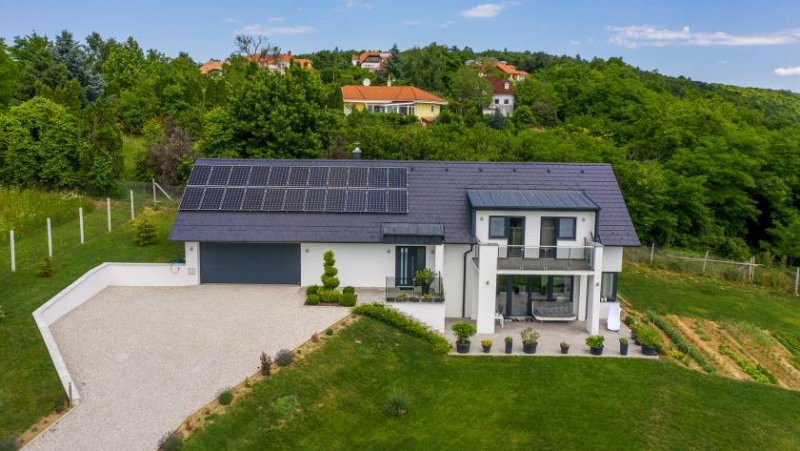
x: 464, y: 282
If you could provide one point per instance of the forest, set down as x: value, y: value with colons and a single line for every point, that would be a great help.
x: 702, y: 166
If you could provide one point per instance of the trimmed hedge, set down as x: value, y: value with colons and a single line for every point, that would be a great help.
x: 406, y: 324
x: 348, y: 300
x: 349, y: 290
x: 312, y: 299
x: 312, y: 289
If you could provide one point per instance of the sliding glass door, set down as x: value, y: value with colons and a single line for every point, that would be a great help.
x: 516, y: 293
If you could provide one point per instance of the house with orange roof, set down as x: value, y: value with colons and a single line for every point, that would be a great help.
x: 512, y: 72
x: 405, y: 100
x: 212, y: 67
x: 304, y: 63
x: 273, y: 63
x: 372, y: 60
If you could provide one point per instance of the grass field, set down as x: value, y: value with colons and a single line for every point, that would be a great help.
x: 21, y: 210
x: 29, y: 387
x: 336, y: 397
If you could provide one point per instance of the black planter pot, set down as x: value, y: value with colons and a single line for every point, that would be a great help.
x: 426, y: 289
x: 623, y: 349
x: 509, y: 347
x: 647, y: 350
x: 565, y: 350
x: 487, y: 349
x: 596, y: 351
x: 529, y: 348
x: 463, y: 348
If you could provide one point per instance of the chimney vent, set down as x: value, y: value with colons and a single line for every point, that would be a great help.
x: 357, y: 153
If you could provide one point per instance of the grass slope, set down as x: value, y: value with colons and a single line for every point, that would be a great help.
x: 336, y: 399
x: 29, y: 386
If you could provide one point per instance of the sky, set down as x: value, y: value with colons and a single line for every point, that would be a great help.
x: 745, y: 43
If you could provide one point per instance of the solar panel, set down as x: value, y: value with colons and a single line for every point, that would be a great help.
x: 336, y: 200
x: 191, y: 198
x: 358, y: 178
x: 377, y: 177
x: 376, y: 201
x: 278, y: 176
x: 239, y: 176
x: 318, y: 176
x: 199, y: 175
x: 315, y: 200
x: 398, y: 178
x: 273, y: 199
x: 298, y: 176
x: 212, y: 198
x: 397, y: 201
x: 232, y: 200
x: 338, y: 177
x: 294, y: 200
x: 253, y: 199
x: 259, y: 176
x: 219, y: 175
x: 356, y: 200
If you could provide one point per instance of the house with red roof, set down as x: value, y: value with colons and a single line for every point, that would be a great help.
x: 512, y: 72
x: 502, y: 97
x: 373, y: 60
x: 405, y: 100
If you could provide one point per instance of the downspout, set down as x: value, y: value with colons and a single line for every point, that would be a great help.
x: 464, y: 282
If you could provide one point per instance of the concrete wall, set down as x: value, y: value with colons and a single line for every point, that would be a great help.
x: 429, y: 313
x: 93, y: 282
x: 612, y: 259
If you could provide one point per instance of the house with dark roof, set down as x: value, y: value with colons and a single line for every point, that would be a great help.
x: 510, y: 240
x: 502, y: 97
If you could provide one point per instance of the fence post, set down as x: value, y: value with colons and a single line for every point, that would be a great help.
x: 796, y: 279
x: 14, y: 256
x: 108, y: 212
x: 652, y: 251
x: 49, y: 238
x: 752, y: 267
x: 80, y: 215
x: 133, y: 213
x: 155, y: 200
x: 705, y: 261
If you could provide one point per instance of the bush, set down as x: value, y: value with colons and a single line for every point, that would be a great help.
x: 463, y: 332
x: 648, y: 336
x: 284, y: 357
x: 756, y: 371
x: 397, y: 403
x: 509, y: 340
x: 394, y: 318
x: 595, y: 341
x: 330, y: 296
x: 348, y: 300
x: 225, y: 397
x: 679, y: 341
x: 529, y: 336
x: 266, y: 364
x: 171, y: 441
x: 329, y: 332
x: 487, y: 342
x: 312, y: 289
x: 145, y: 229
x: 45, y: 268
x: 285, y: 406
x: 349, y: 290
x: 312, y: 299
x: 329, y: 280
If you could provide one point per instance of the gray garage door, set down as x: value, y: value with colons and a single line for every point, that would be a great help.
x: 250, y: 263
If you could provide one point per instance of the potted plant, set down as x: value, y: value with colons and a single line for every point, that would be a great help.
x: 423, y: 278
x: 623, y: 346
x: 634, y: 334
x: 509, y: 345
x: 487, y: 345
x: 564, y: 347
x: 595, y: 344
x: 649, y: 339
x: 463, y: 332
x: 530, y: 338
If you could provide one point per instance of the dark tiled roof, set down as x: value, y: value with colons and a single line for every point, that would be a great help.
x: 408, y: 229
x: 437, y: 194
x: 530, y: 199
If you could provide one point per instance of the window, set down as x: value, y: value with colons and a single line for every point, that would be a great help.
x: 497, y: 101
x: 505, y: 101
x: 497, y: 227
x: 608, y: 287
x: 566, y: 228
x: 431, y: 108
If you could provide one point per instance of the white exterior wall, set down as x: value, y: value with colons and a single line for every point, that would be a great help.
x: 612, y: 259
x: 429, y: 313
x: 487, y: 281
x: 584, y: 225
x: 505, y: 109
x: 453, y: 277
x: 192, y: 258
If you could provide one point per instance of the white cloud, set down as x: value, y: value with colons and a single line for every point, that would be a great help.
x: 646, y: 35
x: 231, y: 20
x: 259, y: 29
x: 787, y: 71
x: 483, y: 11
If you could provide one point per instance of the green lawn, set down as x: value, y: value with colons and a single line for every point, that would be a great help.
x: 335, y: 399
x: 29, y: 387
x: 701, y: 297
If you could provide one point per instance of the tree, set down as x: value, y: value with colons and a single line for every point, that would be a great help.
x: 125, y: 66
x: 523, y: 118
x: 469, y: 90
x: 9, y: 76
x: 394, y: 65
x: 76, y: 59
x: 171, y: 157
x: 35, y: 55
x: 255, y: 44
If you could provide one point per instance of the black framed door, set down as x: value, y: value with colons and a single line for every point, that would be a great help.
x: 409, y: 260
x: 547, y: 238
x: 516, y: 236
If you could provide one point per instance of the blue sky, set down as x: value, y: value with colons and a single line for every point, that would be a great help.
x: 737, y: 42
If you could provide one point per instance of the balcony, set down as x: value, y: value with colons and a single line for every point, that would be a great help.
x: 545, y: 258
x: 408, y: 290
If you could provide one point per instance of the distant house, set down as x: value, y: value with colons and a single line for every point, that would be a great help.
x: 405, y: 100
x: 502, y: 97
x: 512, y: 72
x: 372, y: 60
x: 212, y: 67
x: 304, y: 63
x: 273, y: 63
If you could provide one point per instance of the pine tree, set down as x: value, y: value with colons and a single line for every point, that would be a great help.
x: 145, y: 228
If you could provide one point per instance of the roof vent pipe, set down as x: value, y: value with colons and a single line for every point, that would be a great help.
x: 356, y: 153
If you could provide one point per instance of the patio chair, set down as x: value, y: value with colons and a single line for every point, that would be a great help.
x: 499, y: 317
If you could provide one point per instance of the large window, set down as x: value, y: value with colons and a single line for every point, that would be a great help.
x: 566, y: 228
x: 497, y: 227
x: 608, y: 287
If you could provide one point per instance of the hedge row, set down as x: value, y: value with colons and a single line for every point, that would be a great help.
x: 680, y: 342
x: 756, y: 371
x: 403, y: 322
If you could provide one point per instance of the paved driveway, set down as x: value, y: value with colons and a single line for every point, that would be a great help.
x: 145, y: 358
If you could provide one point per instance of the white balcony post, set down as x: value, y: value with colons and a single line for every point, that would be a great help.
x: 593, y: 293
x: 487, y: 279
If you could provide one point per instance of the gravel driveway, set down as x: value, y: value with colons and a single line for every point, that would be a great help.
x: 145, y: 358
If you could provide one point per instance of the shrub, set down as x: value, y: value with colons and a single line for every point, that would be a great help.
x: 394, y: 318
x: 756, y: 371
x: 312, y: 299
x: 145, y: 229
x: 463, y: 332
x: 397, y: 403
x: 349, y: 290
x: 45, y: 268
x: 487, y: 342
x: 649, y: 337
x: 329, y: 331
x: 348, y: 300
x: 171, y: 441
x: 225, y: 397
x: 285, y: 406
x: 679, y: 341
x: 623, y: 341
x: 312, y: 289
x: 266, y: 364
x: 284, y: 357
x: 564, y: 345
x: 529, y: 336
x: 329, y: 280
x: 595, y: 341
x: 330, y: 296
x: 509, y: 340
x: 424, y: 276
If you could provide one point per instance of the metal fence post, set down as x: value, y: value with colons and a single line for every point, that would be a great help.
x: 14, y: 256
x: 705, y: 261
x: 133, y: 213
x: 108, y: 212
x: 80, y: 216
x: 49, y: 238
x: 796, y: 279
x: 155, y: 200
x: 752, y: 268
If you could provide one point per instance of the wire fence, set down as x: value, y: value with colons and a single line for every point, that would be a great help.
x: 762, y: 270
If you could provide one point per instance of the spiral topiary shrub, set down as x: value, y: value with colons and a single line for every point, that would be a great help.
x: 329, y: 279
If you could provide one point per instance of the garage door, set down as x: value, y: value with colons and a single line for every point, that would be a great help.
x: 250, y: 263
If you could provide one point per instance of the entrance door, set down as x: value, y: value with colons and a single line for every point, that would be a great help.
x: 516, y: 236
x: 409, y: 260
x: 547, y: 239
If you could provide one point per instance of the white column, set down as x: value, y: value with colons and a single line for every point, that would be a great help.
x: 438, y: 259
x: 192, y: 258
x: 580, y: 306
x: 13, y: 251
x: 133, y: 213
x: 487, y: 279
x: 49, y: 238
x: 593, y: 300
x: 80, y: 217
x: 108, y: 212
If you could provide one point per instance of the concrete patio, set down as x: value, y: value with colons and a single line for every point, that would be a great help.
x: 552, y: 334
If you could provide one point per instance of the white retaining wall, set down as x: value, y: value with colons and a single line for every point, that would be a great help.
x: 93, y: 282
x: 428, y: 313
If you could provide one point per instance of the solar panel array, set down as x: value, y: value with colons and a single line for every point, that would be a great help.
x: 320, y: 189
